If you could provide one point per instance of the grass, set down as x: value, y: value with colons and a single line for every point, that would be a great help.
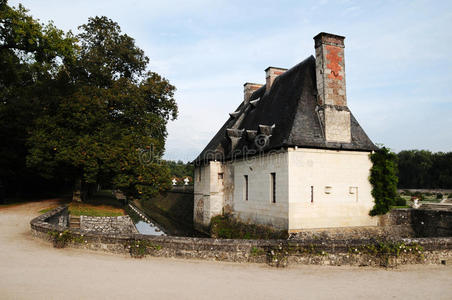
x: 84, y: 209
x: 400, y: 206
x: 102, y: 204
x: 46, y: 210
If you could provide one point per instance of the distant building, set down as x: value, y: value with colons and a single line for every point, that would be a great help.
x: 292, y: 155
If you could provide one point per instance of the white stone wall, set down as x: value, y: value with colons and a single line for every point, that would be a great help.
x: 341, y: 189
x: 208, y: 192
x: 259, y: 207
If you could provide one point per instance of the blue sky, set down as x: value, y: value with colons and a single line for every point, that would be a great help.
x: 398, y: 58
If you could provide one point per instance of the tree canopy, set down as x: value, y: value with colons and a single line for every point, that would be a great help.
x: 31, y: 55
x: 424, y: 169
x: 86, y: 107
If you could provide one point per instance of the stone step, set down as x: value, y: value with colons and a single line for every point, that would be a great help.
x: 74, y: 222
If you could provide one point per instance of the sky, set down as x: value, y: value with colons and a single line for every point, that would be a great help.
x: 398, y: 58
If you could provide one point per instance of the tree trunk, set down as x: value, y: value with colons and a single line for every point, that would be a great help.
x: 77, y: 194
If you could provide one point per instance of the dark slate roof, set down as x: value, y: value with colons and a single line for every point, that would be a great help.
x: 290, y: 106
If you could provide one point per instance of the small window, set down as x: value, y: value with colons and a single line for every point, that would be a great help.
x: 199, y: 173
x: 273, y: 187
x: 312, y: 194
x: 220, y: 175
x: 246, y: 187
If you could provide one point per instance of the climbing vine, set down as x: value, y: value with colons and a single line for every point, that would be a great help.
x: 383, y: 177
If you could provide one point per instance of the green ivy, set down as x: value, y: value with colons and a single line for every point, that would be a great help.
x: 383, y: 177
x: 139, y: 249
x: 60, y: 239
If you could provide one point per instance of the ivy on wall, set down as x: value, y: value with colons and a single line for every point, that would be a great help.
x: 383, y: 177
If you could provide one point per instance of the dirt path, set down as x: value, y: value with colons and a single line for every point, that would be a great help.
x: 32, y: 269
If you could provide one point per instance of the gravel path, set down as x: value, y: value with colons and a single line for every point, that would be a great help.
x: 32, y: 269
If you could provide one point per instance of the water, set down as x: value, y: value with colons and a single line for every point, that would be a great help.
x: 147, y: 228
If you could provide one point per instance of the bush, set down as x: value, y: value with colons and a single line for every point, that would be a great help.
x: 439, y: 196
x: 226, y: 227
x: 383, y: 177
x: 399, y: 201
x: 60, y: 239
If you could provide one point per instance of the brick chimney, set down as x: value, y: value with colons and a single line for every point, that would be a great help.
x: 270, y: 74
x: 249, y: 88
x: 332, y: 99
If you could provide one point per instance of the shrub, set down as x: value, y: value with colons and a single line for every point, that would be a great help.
x: 400, y: 201
x: 439, y: 196
x: 226, y: 227
x: 383, y: 177
x: 139, y: 249
x: 60, y: 239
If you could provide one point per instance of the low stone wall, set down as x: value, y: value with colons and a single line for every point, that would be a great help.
x: 56, y: 219
x: 107, y: 225
x: 322, y: 251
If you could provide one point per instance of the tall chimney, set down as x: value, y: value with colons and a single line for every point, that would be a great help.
x: 270, y: 74
x: 332, y: 99
x: 249, y: 88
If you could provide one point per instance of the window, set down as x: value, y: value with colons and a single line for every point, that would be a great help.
x: 220, y: 175
x: 273, y: 187
x: 199, y: 173
x: 328, y: 189
x: 245, y: 190
x: 312, y: 194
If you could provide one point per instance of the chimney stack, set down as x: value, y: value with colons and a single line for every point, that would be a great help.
x: 270, y: 74
x: 249, y: 88
x: 332, y: 99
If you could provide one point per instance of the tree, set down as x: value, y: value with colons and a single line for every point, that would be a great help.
x: 424, y: 169
x: 383, y: 177
x: 109, y: 123
x: 31, y: 55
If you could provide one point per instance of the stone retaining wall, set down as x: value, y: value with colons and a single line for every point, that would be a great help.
x: 322, y: 251
x: 107, y: 225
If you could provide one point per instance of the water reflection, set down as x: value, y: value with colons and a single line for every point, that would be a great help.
x: 146, y: 228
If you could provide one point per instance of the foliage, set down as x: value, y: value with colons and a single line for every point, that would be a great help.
x: 108, y: 122
x: 226, y: 227
x: 383, y: 177
x: 139, y: 248
x: 60, y: 239
x: 424, y: 169
x: 180, y: 169
x: 399, y: 201
x: 32, y: 55
x: 385, y: 250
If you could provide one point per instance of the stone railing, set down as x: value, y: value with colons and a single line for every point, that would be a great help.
x: 275, y: 252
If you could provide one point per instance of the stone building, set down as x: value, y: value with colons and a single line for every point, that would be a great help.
x: 292, y: 155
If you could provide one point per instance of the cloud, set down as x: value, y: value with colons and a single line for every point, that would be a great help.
x: 398, y: 59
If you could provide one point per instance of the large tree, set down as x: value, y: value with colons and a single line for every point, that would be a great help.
x: 31, y: 55
x: 108, y: 124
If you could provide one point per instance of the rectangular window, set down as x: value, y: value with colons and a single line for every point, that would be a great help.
x: 245, y: 190
x: 312, y: 194
x: 273, y: 187
x: 199, y: 177
x: 220, y: 176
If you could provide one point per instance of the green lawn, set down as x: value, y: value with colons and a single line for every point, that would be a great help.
x: 102, y: 204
